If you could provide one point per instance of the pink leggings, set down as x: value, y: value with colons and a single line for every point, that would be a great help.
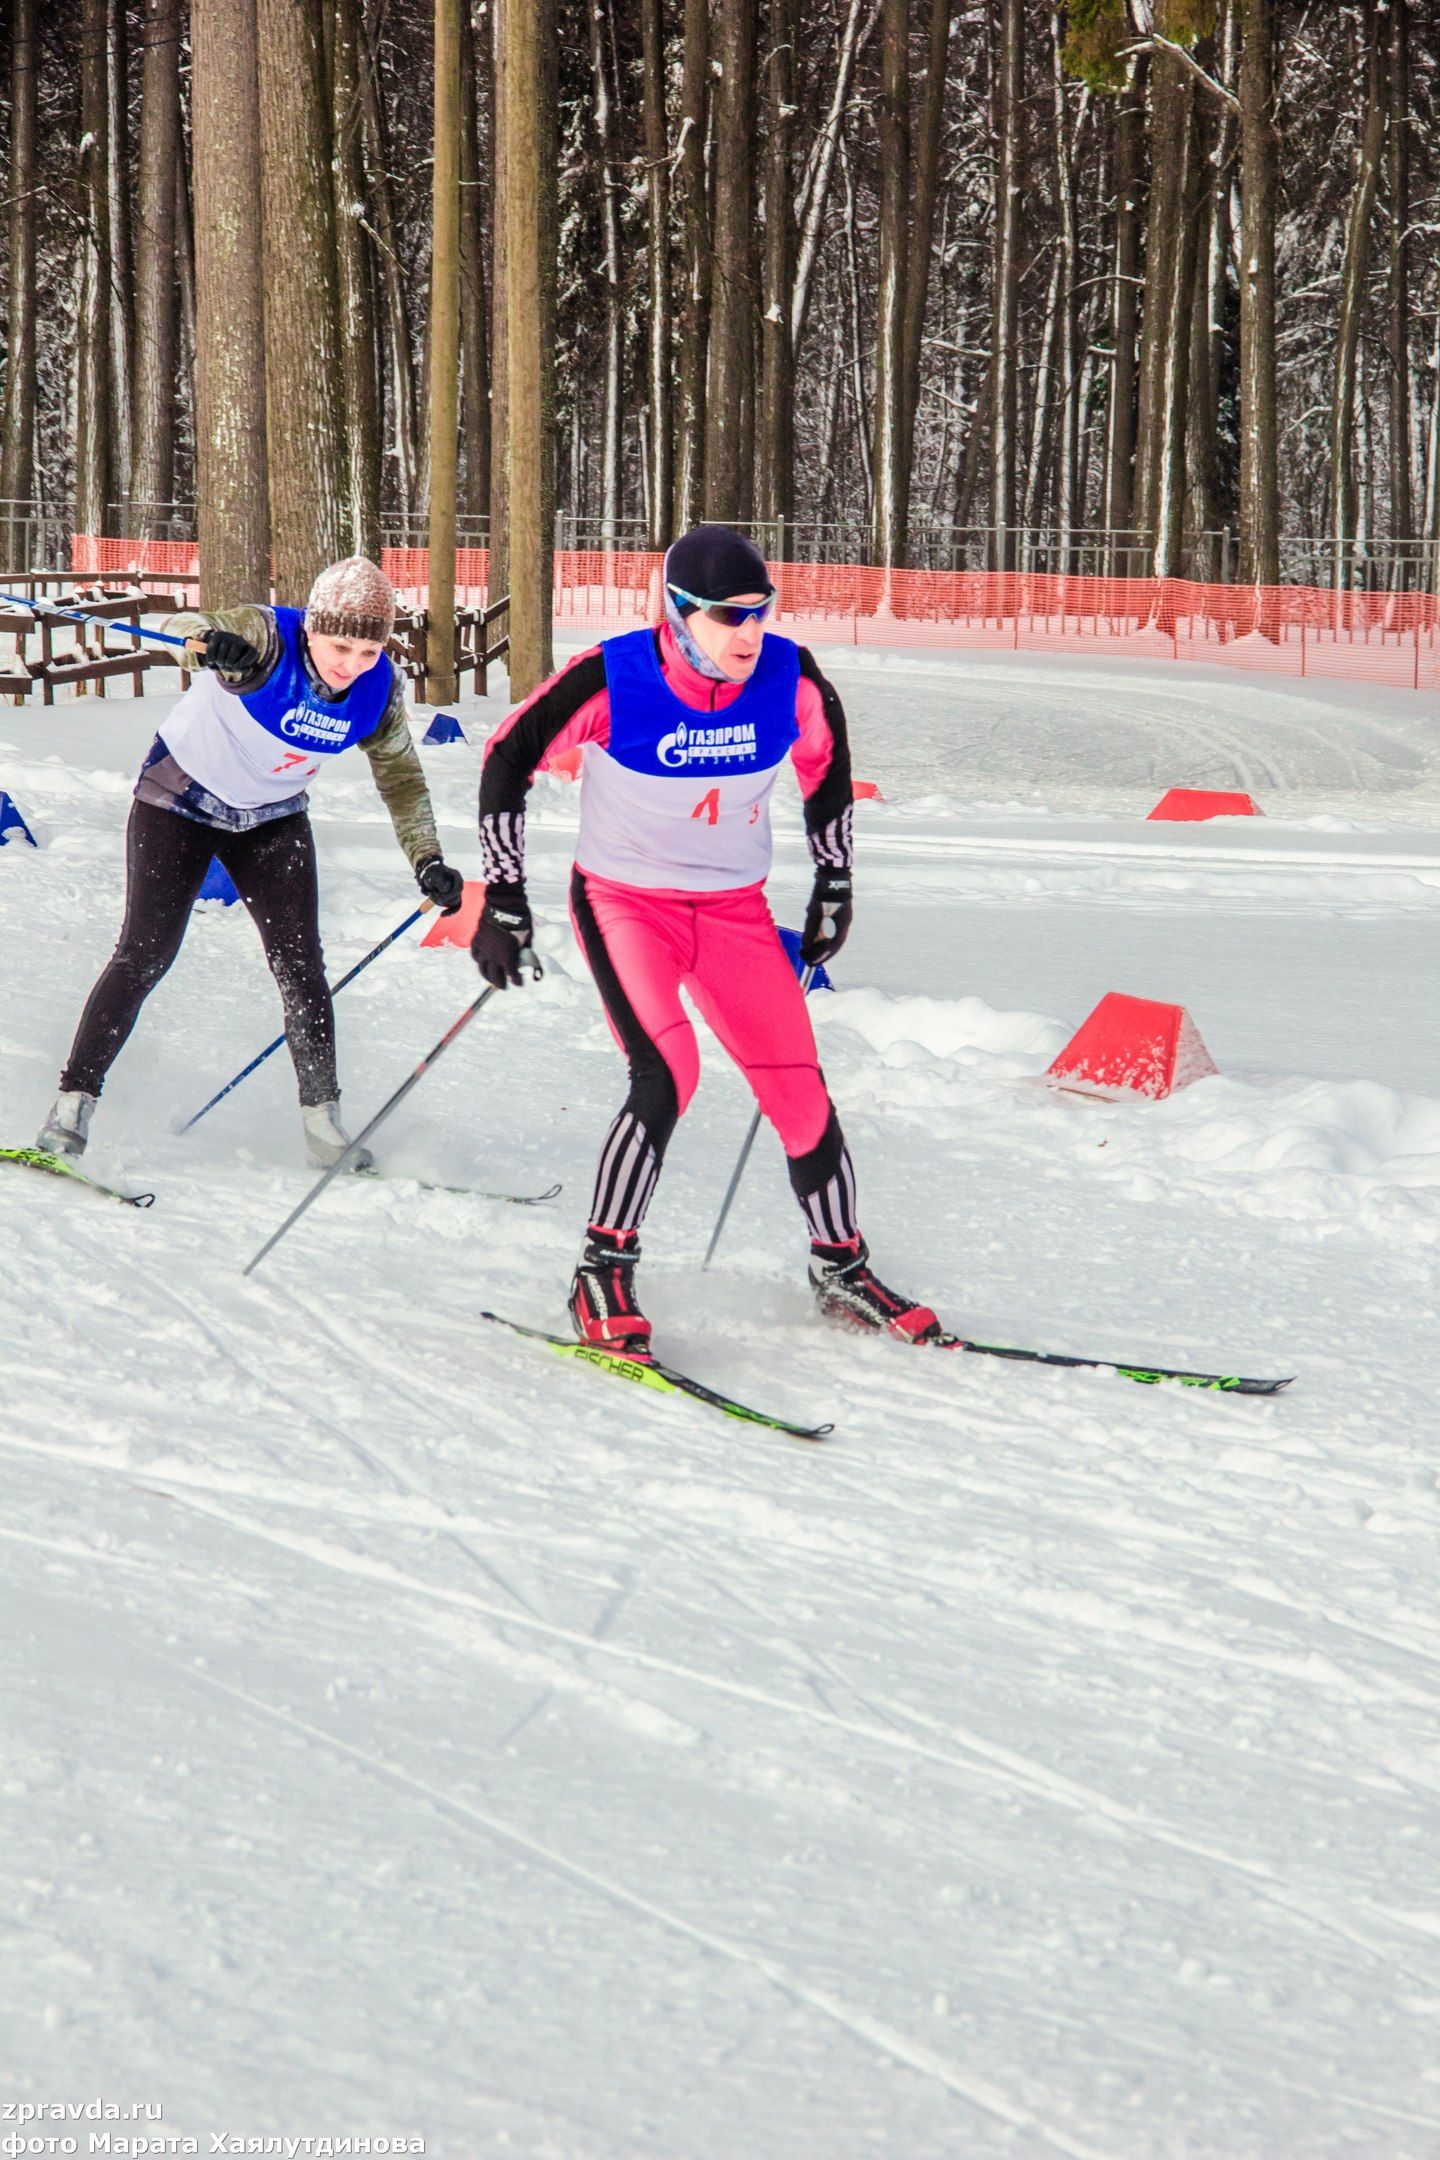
x: 642, y: 946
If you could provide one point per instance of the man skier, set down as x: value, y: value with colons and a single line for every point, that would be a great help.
x: 278, y: 694
x: 686, y: 729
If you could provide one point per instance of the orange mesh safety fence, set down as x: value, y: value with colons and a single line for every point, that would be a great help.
x: 1384, y: 637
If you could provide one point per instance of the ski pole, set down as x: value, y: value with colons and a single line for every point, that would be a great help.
x: 527, y: 959
x: 734, y: 1186
x: 335, y: 989
x: 106, y: 622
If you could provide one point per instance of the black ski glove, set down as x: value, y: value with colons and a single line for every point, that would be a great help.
x: 438, y: 882
x: 227, y: 649
x: 828, y: 917
x: 503, y: 933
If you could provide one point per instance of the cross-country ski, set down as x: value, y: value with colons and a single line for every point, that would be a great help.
x: 1128, y: 1369
x: 471, y: 1192
x: 644, y: 1369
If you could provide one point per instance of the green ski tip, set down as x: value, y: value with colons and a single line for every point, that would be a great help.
x: 34, y: 1158
x: 664, y: 1379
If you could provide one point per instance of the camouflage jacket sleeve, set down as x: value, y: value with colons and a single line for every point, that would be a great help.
x: 400, y: 777
x: 256, y: 624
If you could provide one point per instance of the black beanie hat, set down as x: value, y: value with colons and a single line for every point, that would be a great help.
x: 715, y: 564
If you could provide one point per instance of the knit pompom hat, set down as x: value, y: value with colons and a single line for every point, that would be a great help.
x: 352, y: 599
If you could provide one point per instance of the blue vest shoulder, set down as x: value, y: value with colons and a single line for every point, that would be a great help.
x: 292, y: 708
x: 654, y: 731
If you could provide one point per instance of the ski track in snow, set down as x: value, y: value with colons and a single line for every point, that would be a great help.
x: 416, y: 1734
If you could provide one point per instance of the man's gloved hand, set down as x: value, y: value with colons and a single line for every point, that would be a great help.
x: 227, y: 649
x: 828, y: 917
x: 438, y: 882
x: 504, y: 932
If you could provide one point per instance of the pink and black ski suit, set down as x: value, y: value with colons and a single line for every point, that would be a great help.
x: 668, y: 888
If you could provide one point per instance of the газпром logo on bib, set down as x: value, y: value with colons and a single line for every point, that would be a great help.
x: 305, y: 720
x: 693, y: 745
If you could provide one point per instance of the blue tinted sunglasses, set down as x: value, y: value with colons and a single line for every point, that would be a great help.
x: 728, y: 613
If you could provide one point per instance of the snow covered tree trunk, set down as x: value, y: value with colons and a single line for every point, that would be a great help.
x: 694, y: 226
x: 17, y: 442
x: 775, y: 426
x: 660, y: 362
x: 1067, y: 363
x: 859, y: 396
x: 1432, y: 470
x: 1402, y: 496
x: 443, y: 347
x: 93, y: 419
x: 814, y: 200
x: 1125, y: 315
x: 829, y: 414
x: 152, y: 472
x: 311, y: 515
x: 183, y: 417
x: 1202, y: 417
x: 399, y: 342
x: 1170, y: 254
x: 1353, y: 276
x: 120, y: 286
x: 528, y: 242
x: 232, y: 499
x: 1168, y: 108
x: 1215, y: 155
x: 498, y: 579
x: 887, y: 533
x: 926, y: 167
x: 1259, y: 459
x: 355, y: 288
x: 729, y: 392
x: 602, y: 108
x: 1041, y: 403
x: 1183, y: 296
x: 1005, y: 362
x: 475, y: 355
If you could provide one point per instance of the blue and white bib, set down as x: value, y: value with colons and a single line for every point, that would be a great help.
x: 680, y: 798
x: 268, y: 745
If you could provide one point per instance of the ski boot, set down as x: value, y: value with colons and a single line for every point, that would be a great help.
x: 326, y: 1138
x: 847, y: 1289
x: 67, y: 1129
x: 603, y: 1310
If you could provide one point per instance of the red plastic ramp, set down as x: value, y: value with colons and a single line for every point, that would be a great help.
x: 1191, y: 806
x: 1132, y: 1046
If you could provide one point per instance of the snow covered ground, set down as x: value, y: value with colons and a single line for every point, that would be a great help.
x: 412, y: 1735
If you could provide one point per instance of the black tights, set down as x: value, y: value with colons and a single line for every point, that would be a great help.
x: 166, y: 858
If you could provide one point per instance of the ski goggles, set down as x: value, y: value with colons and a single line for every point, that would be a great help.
x: 730, y: 614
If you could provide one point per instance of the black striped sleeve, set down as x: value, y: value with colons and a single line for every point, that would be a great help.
x: 829, y: 808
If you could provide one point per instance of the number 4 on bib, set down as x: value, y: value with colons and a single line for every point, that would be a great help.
x: 708, y: 807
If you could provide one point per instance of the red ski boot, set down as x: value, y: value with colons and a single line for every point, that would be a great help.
x: 603, y: 1310
x: 847, y: 1289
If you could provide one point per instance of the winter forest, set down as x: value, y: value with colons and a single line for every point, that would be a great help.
x: 1140, y: 286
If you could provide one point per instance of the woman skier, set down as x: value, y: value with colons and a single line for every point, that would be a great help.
x: 278, y: 694
x: 686, y: 728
